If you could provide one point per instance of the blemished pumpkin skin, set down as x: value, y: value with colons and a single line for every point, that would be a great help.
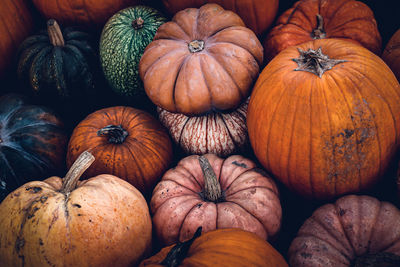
x: 225, y: 248
x: 33, y: 142
x: 102, y: 221
x: 220, y: 133
x: 328, y: 135
x: 345, y: 19
x: 354, y: 231
x: 15, y: 25
x: 214, y: 193
x: 391, y: 54
x: 202, y: 60
x: 258, y: 15
x: 88, y: 14
x: 136, y: 148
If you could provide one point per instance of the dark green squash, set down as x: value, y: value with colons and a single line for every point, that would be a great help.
x: 32, y: 143
x: 122, y: 43
x: 58, y: 64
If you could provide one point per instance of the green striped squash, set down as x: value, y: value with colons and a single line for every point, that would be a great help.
x: 122, y: 43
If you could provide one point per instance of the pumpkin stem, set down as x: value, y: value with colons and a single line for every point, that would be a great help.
x: 137, y: 23
x: 212, y: 188
x: 196, y: 46
x: 178, y: 253
x: 115, y: 133
x: 315, y: 61
x: 54, y: 32
x: 319, y: 32
x: 381, y: 259
x: 81, y: 164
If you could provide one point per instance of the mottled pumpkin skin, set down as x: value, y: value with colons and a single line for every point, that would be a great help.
x: 325, y: 137
x: 105, y: 221
x: 391, y: 54
x: 336, y: 234
x: 258, y: 15
x: 33, y: 143
x: 345, y: 19
x: 141, y: 159
x: 251, y: 200
x: 15, y: 25
x: 225, y: 248
x: 88, y: 13
x: 182, y: 74
x: 220, y: 133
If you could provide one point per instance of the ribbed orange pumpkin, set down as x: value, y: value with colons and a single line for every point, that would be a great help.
x: 256, y: 14
x: 202, y: 60
x: 126, y: 142
x: 324, y: 134
x: 222, y: 248
x: 16, y: 24
x: 88, y: 13
x: 391, y: 54
x: 318, y: 19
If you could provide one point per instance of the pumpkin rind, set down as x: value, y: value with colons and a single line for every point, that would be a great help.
x: 346, y: 19
x: 336, y: 234
x: 391, y: 54
x: 32, y: 143
x: 122, y: 46
x: 140, y: 159
x: 330, y: 135
x: 258, y: 15
x: 202, y: 60
x: 220, y: 133
x: 250, y: 200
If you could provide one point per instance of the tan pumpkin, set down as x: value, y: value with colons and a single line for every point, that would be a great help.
x: 324, y: 118
x: 354, y: 231
x: 102, y: 221
x: 214, y: 193
x: 202, y: 60
x: 318, y: 19
x: 220, y: 133
x: 391, y: 54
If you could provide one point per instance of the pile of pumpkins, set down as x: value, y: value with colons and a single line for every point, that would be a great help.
x: 254, y: 101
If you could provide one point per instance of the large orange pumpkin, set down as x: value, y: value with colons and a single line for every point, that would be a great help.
x: 391, y: 54
x: 202, y: 60
x: 258, y: 15
x: 102, y: 221
x: 318, y: 19
x: 16, y: 24
x: 324, y: 118
x: 127, y: 142
x: 88, y: 13
x: 223, y: 248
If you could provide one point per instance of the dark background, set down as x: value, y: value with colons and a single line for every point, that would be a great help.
x: 295, y: 209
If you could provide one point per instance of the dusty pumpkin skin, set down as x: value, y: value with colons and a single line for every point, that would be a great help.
x: 325, y: 127
x: 102, y: 221
x: 204, y: 59
x: 345, y: 19
x: 391, y: 54
x: 353, y: 231
x: 214, y: 193
x: 225, y: 248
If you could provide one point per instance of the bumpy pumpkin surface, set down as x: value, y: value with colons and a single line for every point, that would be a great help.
x: 102, y: 221
x: 32, y: 143
x: 122, y: 43
x: 353, y: 231
x: 202, y: 60
x: 325, y: 121
x: 256, y: 14
x: 223, y: 247
x: 391, y: 54
x: 220, y: 133
x: 319, y: 19
x: 127, y: 142
x: 214, y: 193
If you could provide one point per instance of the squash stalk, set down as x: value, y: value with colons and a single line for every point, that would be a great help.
x: 54, y: 32
x: 212, y: 188
x: 196, y: 46
x: 319, y: 32
x: 386, y: 259
x: 115, y: 133
x: 138, y: 23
